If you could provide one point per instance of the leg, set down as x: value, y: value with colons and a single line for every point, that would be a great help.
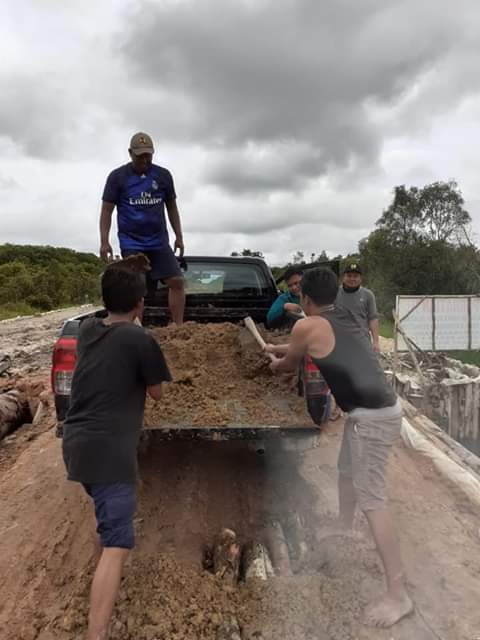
x: 396, y: 603
x: 372, y: 441
x: 347, y: 502
x: 114, y: 510
x: 176, y: 298
x: 105, y: 585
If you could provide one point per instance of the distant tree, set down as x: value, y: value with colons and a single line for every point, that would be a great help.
x: 247, y: 252
x: 432, y: 213
x: 298, y: 258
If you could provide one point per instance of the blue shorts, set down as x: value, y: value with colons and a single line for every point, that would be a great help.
x: 115, y: 506
x: 163, y: 262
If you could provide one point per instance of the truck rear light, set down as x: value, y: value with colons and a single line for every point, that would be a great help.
x: 63, y: 364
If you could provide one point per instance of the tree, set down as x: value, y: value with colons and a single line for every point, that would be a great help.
x: 248, y: 252
x: 433, y: 213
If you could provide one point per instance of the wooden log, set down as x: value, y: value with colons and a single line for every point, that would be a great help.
x: 277, y: 545
x: 226, y: 556
x: 13, y: 411
x: 256, y: 562
x: 441, y: 439
x: 229, y: 629
x: 296, y: 536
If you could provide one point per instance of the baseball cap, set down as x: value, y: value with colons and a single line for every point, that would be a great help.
x: 353, y: 267
x: 141, y: 143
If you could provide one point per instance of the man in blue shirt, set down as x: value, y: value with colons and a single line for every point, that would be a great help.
x: 286, y: 307
x: 140, y: 190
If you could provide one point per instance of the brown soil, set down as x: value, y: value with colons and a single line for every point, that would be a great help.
x: 221, y: 377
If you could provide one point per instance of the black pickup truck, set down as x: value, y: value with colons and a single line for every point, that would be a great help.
x: 218, y: 289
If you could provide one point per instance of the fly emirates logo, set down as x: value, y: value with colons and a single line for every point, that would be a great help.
x: 145, y: 198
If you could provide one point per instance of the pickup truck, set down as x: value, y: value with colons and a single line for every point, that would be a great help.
x: 218, y: 289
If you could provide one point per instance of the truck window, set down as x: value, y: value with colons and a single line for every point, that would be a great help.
x: 224, y: 278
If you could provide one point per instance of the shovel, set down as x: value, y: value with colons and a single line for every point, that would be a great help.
x: 252, y: 327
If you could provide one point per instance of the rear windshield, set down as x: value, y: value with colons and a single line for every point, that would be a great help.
x: 208, y: 278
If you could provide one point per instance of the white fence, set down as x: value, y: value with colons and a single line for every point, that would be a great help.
x: 439, y: 323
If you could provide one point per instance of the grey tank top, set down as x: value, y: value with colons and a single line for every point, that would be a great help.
x: 352, y: 370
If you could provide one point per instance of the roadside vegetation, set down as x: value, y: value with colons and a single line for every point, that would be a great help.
x: 34, y: 279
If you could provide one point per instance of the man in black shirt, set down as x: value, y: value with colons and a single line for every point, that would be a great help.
x: 118, y: 362
x: 351, y: 369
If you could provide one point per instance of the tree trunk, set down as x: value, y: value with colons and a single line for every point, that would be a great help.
x: 256, y: 562
x: 13, y: 411
x: 226, y: 556
x: 277, y: 544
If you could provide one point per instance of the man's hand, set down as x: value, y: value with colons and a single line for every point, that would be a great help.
x: 376, y: 347
x: 106, y: 252
x: 274, y: 363
x: 291, y: 307
x: 179, y: 245
x: 278, y: 350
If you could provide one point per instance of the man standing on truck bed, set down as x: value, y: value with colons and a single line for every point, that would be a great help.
x: 140, y: 190
x: 353, y: 373
x: 117, y: 363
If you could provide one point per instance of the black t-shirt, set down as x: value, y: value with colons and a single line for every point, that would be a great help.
x: 115, y: 364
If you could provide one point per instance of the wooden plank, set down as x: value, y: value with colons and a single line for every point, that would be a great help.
x: 441, y: 439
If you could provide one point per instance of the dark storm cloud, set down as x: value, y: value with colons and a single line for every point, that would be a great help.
x: 299, y: 73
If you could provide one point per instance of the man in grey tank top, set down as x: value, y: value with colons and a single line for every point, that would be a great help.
x: 374, y: 418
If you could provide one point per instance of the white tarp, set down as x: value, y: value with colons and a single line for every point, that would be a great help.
x: 440, y: 323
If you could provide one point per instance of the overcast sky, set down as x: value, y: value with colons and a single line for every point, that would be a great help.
x: 286, y: 123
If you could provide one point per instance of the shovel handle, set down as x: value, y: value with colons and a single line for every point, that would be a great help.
x: 252, y: 327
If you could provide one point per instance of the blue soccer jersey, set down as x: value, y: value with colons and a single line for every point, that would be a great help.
x: 140, y: 202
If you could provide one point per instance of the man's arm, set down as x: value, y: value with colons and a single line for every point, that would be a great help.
x: 174, y: 218
x: 373, y: 323
x: 374, y: 327
x: 106, y: 252
x: 296, y: 349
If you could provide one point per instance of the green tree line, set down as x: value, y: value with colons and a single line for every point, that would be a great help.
x: 420, y: 245
x: 41, y: 278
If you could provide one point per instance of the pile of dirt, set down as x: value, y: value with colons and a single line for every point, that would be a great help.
x: 161, y: 599
x: 221, y: 377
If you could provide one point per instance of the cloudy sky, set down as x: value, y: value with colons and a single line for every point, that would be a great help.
x: 285, y: 123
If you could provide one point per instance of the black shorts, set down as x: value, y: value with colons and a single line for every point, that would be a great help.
x: 163, y: 262
x: 115, y: 506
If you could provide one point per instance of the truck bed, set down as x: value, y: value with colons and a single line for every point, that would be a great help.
x: 222, y: 388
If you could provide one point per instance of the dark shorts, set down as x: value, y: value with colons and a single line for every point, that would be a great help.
x: 115, y: 506
x: 163, y: 262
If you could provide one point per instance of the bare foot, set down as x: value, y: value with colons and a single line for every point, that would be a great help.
x: 388, y: 611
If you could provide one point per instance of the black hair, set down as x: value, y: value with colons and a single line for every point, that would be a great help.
x: 320, y: 285
x: 292, y: 271
x: 122, y: 289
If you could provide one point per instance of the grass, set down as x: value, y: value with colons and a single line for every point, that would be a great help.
x: 468, y: 357
x: 386, y: 328
x: 13, y: 309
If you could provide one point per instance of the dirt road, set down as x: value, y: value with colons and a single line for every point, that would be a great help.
x: 188, y: 491
x: 28, y: 341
